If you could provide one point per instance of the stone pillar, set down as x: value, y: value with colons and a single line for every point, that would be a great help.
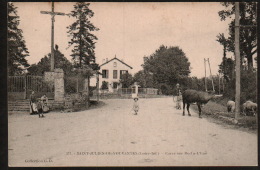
x: 59, y: 85
x: 49, y: 78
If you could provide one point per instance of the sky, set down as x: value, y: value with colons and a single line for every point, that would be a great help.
x: 131, y: 31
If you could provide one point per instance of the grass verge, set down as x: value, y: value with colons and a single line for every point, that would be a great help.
x: 217, y: 111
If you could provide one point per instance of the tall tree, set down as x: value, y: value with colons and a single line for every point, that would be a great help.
x: 248, y: 34
x: 82, y: 40
x: 168, y: 65
x: 17, y: 51
x: 223, y: 41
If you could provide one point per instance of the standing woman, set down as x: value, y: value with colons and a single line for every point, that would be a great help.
x: 33, y: 104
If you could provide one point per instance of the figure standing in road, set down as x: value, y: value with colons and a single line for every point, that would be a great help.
x: 39, y: 107
x: 178, y: 97
x: 136, y: 106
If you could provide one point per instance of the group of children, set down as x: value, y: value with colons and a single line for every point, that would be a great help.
x: 38, y: 106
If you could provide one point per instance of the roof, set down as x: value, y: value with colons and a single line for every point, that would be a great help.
x: 117, y: 60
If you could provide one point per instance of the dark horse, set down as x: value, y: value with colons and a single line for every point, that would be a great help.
x: 192, y: 96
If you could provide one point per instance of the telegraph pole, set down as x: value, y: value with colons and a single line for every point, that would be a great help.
x: 205, y: 75
x: 211, y: 77
x: 237, y: 55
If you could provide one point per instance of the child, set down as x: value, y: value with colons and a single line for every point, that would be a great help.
x: 39, y: 107
x: 136, y: 106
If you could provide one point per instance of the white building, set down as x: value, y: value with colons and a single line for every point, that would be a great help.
x: 112, y: 71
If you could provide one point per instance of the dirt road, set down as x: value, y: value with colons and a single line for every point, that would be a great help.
x: 112, y: 136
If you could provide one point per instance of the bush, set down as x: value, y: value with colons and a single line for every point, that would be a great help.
x: 104, y: 85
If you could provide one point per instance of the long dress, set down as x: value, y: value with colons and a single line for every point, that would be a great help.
x: 33, y: 104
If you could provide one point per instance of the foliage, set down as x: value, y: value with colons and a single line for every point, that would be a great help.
x: 248, y: 48
x: 168, y: 66
x: 80, y: 32
x: 85, y: 71
x: 248, y: 87
x: 144, y: 79
x: 60, y: 61
x: 104, y: 85
x: 126, y: 80
x: 248, y: 35
x: 227, y: 68
x: 17, y: 51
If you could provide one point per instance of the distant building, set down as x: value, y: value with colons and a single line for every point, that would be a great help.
x: 112, y: 71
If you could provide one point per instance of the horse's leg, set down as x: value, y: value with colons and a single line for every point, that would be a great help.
x: 188, y: 109
x: 199, y: 107
x: 183, y: 109
x: 228, y: 109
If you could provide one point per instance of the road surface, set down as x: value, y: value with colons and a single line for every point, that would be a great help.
x: 112, y: 136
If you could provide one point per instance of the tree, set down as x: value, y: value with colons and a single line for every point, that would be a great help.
x: 144, y: 79
x: 227, y: 68
x: 81, y: 38
x: 44, y: 64
x: 168, y: 65
x: 104, y: 85
x: 126, y: 80
x: 17, y: 51
x: 248, y: 35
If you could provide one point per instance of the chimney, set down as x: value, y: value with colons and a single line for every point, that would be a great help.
x: 106, y: 59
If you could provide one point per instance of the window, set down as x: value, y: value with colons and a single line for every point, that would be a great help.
x: 115, y: 74
x: 115, y: 64
x: 122, y: 72
x: 104, y: 73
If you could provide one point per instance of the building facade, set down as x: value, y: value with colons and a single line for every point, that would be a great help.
x: 112, y: 71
